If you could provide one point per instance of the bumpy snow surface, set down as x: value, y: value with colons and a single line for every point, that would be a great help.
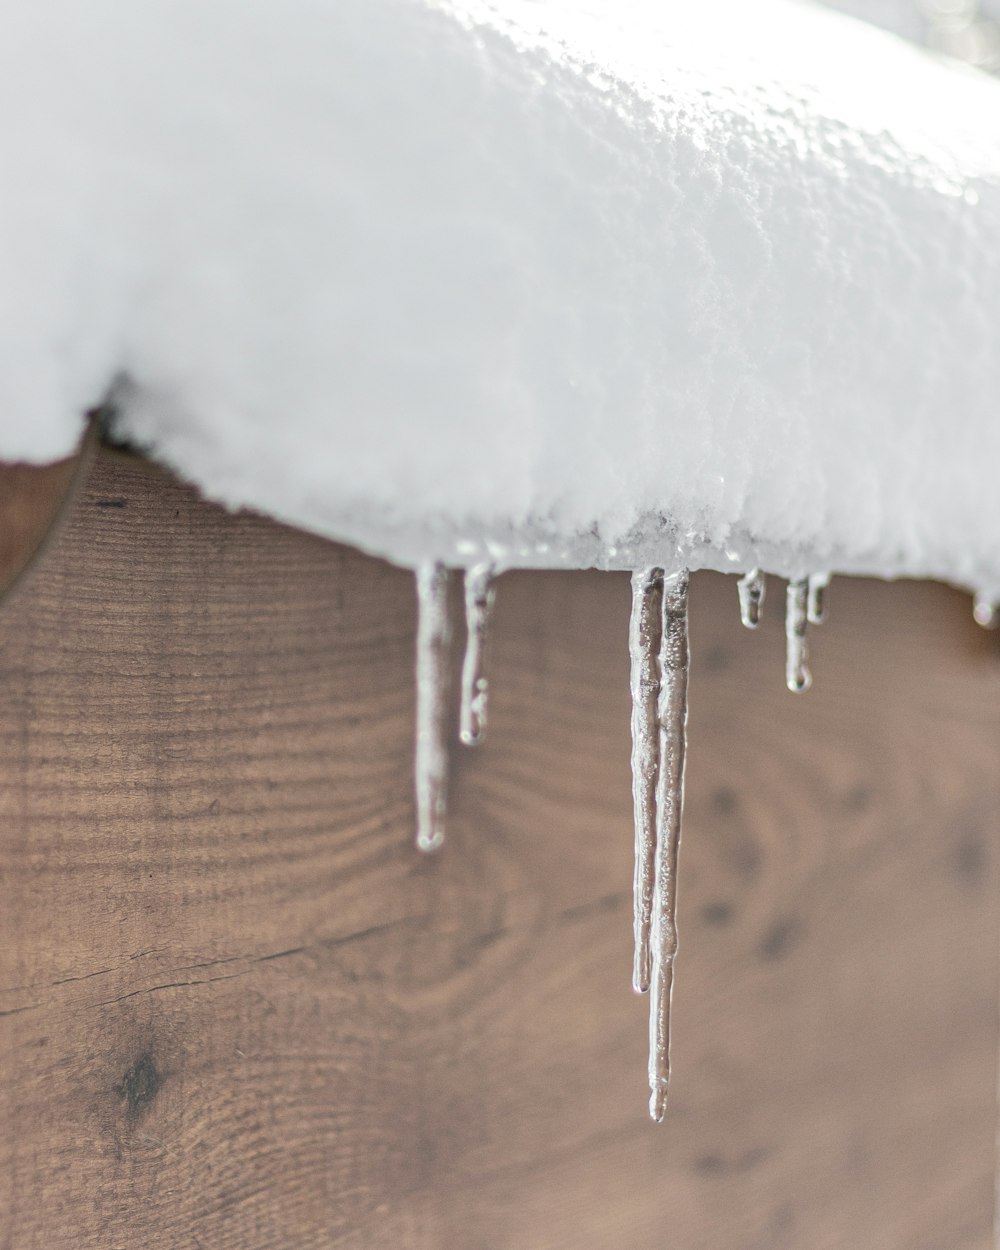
x: 546, y: 282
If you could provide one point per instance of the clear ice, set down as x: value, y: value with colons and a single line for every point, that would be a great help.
x: 433, y: 635
x: 672, y: 717
x: 645, y: 633
x: 751, y: 588
x: 479, y: 596
x: 797, y: 674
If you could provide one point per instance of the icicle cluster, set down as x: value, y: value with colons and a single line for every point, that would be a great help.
x: 658, y: 649
x: 660, y: 664
x: 804, y: 605
x: 659, y: 656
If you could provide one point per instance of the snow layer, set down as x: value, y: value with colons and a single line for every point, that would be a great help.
x: 609, y: 282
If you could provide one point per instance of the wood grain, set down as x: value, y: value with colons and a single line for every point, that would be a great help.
x: 239, y: 1012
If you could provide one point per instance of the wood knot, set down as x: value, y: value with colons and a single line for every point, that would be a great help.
x: 139, y: 1086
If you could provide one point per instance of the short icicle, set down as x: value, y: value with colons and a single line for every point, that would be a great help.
x: 479, y: 596
x: 432, y: 682
x: 751, y: 590
x: 816, y: 610
x: 986, y: 610
x: 672, y: 716
x: 797, y: 674
x: 645, y: 632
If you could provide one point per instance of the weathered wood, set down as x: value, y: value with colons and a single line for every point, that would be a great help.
x: 238, y: 1011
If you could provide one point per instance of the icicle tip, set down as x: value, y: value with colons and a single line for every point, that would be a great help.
x: 428, y: 843
x: 751, y: 590
x: 473, y: 725
x: 986, y: 611
x: 658, y: 1104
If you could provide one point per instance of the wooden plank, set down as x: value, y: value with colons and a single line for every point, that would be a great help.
x: 239, y: 1012
x: 33, y: 498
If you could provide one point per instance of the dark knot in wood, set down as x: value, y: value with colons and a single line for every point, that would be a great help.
x: 139, y: 1086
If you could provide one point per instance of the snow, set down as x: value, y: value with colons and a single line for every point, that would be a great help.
x: 905, y: 17
x: 924, y: 20
x: 618, y: 283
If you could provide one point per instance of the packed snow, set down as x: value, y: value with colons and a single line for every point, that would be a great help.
x: 623, y: 283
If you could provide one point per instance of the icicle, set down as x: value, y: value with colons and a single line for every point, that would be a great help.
x: 644, y: 635
x: 672, y: 715
x: 796, y: 615
x: 432, y: 682
x: 751, y: 590
x: 816, y: 610
x: 986, y: 610
x: 479, y: 596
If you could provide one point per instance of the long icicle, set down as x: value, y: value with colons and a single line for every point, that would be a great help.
x: 751, y: 590
x: 644, y: 636
x: 479, y: 596
x: 797, y: 675
x: 672, y: 709
x: 433, y: 635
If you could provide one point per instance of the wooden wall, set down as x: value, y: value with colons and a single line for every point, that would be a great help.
x: 239, y: 1012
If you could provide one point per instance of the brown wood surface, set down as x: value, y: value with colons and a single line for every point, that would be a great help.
x: 239, y: 1012
x: 33, y: 498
